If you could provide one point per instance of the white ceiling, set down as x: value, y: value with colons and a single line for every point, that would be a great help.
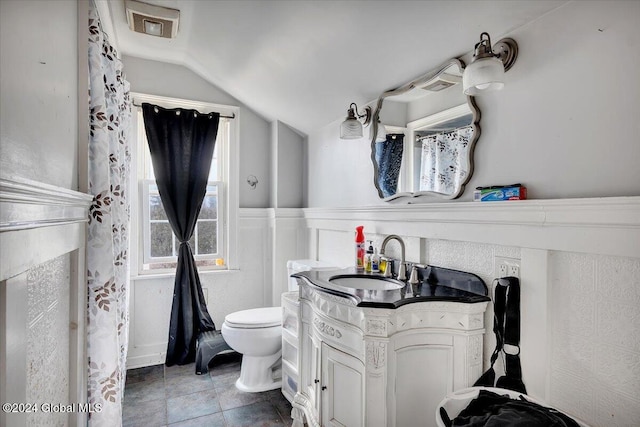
x: 304, y: 62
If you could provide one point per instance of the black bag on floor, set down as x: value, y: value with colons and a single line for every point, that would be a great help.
x: 490, y: 409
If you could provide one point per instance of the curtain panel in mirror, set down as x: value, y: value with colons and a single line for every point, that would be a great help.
x: 443, y: 163
x: 388, y: 155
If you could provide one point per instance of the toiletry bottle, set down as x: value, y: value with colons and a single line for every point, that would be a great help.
x: 360, y: 248
x: 383, y: 264
x: 368, y: 256
x: 375, y: 262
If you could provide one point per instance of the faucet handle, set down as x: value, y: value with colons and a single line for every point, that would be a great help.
x: 413, y: 278
x: 402, y: 271
x: 388, y: 266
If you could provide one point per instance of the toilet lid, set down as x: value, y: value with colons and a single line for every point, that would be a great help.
x: 255, y: 318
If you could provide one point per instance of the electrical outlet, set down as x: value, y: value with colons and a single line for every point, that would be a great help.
x: 504, y: 267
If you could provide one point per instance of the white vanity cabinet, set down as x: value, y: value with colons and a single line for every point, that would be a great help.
x: 378, y: 367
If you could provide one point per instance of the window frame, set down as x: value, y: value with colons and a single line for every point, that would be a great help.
x: 147, y: 258
x: 227, y: 189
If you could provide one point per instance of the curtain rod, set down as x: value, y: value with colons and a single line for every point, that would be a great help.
x: 233, y: 116
x: 439, y: 132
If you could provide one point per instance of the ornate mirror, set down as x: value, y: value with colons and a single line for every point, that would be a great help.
x: 422, y: 141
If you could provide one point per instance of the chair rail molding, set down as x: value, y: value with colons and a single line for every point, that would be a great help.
x: 26, y: 204
x: 605, y: 226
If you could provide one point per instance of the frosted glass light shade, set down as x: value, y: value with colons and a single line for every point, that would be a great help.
x: 351, y: 129
x: 483, y: 75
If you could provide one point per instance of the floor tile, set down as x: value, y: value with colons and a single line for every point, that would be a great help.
x: 281, y: 404
x: 213, y: 420
x: 180, y: 370
x: 159, y: 396
x: 223, y: 380
x: 145, y: 414
x: 178, y: 385
x: 144, y: 391
x: 149, y: 373
x: 230, y: 397
x: 261, y: 414
x: 192, y: 405
x: 231, y: 366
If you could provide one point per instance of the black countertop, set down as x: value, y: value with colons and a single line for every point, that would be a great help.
x: 436, y: 284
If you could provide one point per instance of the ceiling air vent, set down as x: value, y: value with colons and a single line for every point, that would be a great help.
x: 442, y: 81
x: 151, y: 19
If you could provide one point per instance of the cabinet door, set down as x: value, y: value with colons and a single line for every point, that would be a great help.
x: 342, y: 389
x: 423, y: 377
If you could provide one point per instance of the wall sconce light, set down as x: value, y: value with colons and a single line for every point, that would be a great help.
x: 487, y: 68
x: 351, y: 128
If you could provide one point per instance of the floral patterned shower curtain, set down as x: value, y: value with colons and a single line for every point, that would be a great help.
x: 108, y: 241
x: 444, y: 160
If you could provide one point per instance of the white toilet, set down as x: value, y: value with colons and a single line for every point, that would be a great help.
x: 257, y: 334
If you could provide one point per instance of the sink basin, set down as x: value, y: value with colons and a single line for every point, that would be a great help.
x: 373, y: 283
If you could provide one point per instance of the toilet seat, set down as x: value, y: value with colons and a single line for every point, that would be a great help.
x: 265, y: 317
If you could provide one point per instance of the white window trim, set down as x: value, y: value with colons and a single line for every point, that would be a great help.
x: 229, y: 173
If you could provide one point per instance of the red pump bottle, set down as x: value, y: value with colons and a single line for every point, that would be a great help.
x: 360, y: 248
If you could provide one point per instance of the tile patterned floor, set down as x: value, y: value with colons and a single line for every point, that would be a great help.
x: 177, y: 397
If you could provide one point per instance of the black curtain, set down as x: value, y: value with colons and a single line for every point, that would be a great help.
x: 181, y: 143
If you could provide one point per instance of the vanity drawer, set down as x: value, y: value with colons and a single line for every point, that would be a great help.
x: 338, y: 334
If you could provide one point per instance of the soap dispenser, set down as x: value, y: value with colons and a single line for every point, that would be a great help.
x: 368, y: 257
x: 375, y: 262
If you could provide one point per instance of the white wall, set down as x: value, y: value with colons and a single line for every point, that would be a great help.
x: 39, y: 86
x: 287, y: 167
x: 176, y: 81
x: 566, y: 123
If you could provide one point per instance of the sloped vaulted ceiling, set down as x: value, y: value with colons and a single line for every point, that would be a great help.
x: 303, y: 62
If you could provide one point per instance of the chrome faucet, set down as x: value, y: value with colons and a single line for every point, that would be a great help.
x: 402, y: 271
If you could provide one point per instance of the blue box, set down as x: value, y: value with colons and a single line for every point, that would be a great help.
x: 499, y: 193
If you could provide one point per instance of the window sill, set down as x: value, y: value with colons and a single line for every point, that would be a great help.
x: 168, y: 274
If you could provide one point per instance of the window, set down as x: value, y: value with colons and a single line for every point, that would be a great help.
x: 209, y: 243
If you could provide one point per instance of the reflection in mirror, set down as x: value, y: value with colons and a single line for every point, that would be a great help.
x: 431, y: 130
x: 441, y: 150
x: 388, y: 154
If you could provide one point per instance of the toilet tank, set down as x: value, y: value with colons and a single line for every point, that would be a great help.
x: 298, y: 265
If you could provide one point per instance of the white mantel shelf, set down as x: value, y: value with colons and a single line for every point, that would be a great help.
x: 605, y: 226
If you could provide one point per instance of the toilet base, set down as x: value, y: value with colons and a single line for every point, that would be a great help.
x: 257, y: 373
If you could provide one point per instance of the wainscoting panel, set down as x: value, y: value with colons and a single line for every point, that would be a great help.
x: 43, y: 300
x: 579, y: 274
